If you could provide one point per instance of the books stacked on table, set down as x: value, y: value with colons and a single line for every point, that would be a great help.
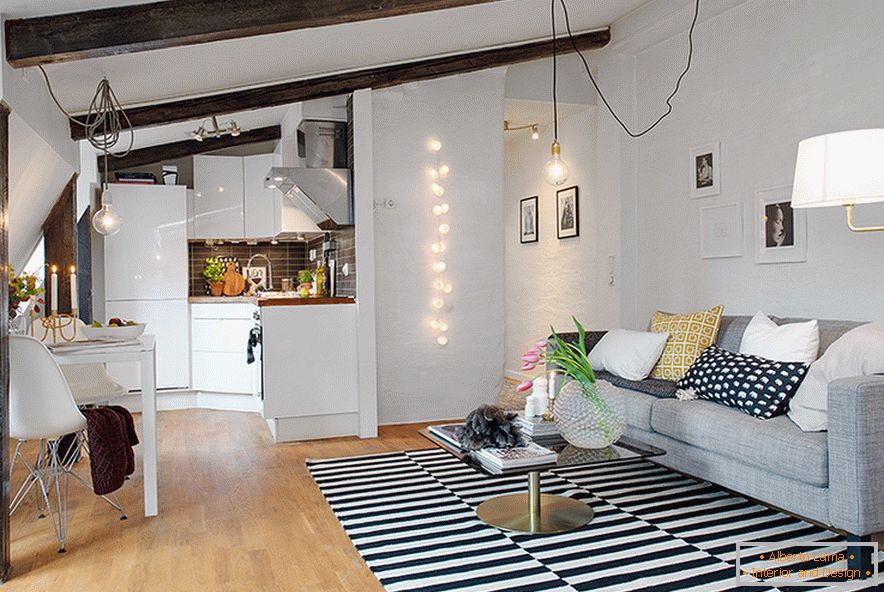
x: 537, y: 429
x: 136, y: 178
x: 502, y: 459
x: 450, y: 432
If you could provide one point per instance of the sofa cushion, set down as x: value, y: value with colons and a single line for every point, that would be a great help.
x: 689, y: 334
x: 776, y: 445
x: 754, y: 385
x: 650, y: 386
x: 637, y: 406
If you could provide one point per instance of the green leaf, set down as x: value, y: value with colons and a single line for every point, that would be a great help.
x: 581, y: 332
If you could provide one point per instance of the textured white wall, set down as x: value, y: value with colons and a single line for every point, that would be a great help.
x: 766, y: 74
x: 549, y: 281
x: 417, y: 379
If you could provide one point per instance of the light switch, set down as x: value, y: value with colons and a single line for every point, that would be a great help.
x: 345, y: 269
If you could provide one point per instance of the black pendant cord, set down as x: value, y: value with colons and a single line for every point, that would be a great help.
x: 599, y: 90
x: 554, y: 73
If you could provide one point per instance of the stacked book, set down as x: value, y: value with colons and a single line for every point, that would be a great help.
x: 136, y: 178
x: 497, y: 459
x: 537, y: 429
x: 502, y: 459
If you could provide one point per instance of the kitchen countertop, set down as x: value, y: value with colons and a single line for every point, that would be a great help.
x: 270, y: 301
x: 302, y: 301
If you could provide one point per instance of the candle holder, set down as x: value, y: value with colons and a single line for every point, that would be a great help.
x: 57, y: 326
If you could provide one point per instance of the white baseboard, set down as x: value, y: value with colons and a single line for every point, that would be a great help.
x: 313, y: 427
x: 172, y: 400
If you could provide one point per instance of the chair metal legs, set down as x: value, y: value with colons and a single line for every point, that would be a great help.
x: 51, y: 472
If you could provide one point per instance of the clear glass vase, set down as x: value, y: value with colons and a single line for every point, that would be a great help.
x: 586, y: 417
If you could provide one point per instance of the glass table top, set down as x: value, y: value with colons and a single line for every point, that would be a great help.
x: 568, y: 455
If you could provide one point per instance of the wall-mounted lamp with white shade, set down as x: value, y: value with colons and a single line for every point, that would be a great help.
x: 840, y: 169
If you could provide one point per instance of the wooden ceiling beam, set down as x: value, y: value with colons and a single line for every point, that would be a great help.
x: 159, y: 25
x: 347, y: 82
x: 184, y: 148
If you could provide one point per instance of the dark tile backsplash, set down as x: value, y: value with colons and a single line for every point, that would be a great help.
x: 286, y: 257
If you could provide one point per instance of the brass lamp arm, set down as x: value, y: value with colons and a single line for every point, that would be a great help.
x: 849, y: 208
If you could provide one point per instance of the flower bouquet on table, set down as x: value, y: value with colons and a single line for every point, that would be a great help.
x: 22, y: 288
x: 584, y: 412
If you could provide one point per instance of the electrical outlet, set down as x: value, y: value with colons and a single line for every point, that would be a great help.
x: 312, y: 254
x: 345, y: 269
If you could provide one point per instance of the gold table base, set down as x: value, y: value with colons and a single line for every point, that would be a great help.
x: 534, y: 512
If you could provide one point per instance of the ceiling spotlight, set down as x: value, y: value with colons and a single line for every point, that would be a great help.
x: 214, y: 130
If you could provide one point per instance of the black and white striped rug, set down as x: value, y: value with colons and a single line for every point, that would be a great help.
x: 411, y: 516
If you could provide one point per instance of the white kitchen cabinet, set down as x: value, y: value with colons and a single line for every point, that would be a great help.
x: 218, y: 210
x: 261, y: 204
x: 310, y: 370
x: 219, y: 334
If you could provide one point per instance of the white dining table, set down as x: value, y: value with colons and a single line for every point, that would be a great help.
x: 145, y: 353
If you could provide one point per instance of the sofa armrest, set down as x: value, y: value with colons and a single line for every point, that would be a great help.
x: 856, y: 454
x: 590, y: 339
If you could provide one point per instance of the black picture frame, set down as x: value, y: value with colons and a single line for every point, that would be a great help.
x: 528, y: 226
x: 568, y: 212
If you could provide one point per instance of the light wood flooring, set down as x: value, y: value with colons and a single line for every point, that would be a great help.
x: 237, y: 512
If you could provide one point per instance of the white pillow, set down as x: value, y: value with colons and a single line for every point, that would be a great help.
x: 628, y: 354
x: 794, y: 342
x: 859, y: 352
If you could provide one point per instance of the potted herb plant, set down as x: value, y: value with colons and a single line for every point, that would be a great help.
x: 214, y: 275
x: 305, y: 281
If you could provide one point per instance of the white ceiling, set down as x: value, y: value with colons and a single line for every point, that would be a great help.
x: 180, y: 72
x: 214, y: 67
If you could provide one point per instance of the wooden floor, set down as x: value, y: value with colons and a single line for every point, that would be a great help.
x: 237, y: 512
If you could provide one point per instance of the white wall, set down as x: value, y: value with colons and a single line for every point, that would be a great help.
x: 418, y: 379
x: 37, y: 174
x: 766, y: 74
x: 549, y: 281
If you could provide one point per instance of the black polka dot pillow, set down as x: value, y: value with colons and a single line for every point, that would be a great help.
x: 754, y: 385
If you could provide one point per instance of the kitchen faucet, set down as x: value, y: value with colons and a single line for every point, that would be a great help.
x: 269, y: 285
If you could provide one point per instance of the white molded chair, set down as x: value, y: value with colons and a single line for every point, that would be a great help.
x: 41, y: 407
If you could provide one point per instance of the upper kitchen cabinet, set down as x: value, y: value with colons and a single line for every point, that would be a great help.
x: 262, y: 211
x: 218, y: 197
x: 230, y: 200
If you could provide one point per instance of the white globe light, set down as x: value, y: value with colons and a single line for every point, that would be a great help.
x: 439, y: 285
x: 438, y: 190
x: 437, y: 210
x: 444, y: 170
x: 438, y: 303
x: 434, y: 324
x: 434, y: 173
x: 437, y: 247
x: 444, y: 207
x: 442, y: 326
x: 106, y: 221
x: 444, y: 229
x: 439, y: 266
x: 442, y: 340
x: 447, y: 288
x: 435, y: 145
x: 556, y: 171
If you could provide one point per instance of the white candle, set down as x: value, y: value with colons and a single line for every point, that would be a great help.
x: 74, y: 296
x: 53, y: 295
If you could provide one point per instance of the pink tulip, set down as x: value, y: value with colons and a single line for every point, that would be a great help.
x: 534, y: 351
x: 541, y: 343
x: 527, y: 366
x: 531, y: 358
x: 524, y: 386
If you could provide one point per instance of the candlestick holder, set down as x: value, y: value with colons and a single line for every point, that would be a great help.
x: 57, y: 326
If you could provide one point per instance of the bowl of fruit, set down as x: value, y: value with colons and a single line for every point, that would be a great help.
x: 116, y: 328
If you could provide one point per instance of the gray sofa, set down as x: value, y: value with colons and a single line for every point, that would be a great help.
x: 835, y: 478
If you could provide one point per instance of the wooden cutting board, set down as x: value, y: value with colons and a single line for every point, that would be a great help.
x: 234, y: 282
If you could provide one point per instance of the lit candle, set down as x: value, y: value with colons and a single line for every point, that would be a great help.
x: 54, y: 289
x: 74, y: 289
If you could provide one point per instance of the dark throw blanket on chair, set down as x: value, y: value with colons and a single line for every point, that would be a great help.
x: 111, y: 434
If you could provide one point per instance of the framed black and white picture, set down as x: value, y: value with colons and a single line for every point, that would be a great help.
x: 780, y: 231
x: 528, y: 220
x: 721, y: 231
x: 567, y: 213
x: 705, y: 170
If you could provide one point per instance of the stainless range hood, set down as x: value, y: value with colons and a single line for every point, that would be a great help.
x: 322, y: 194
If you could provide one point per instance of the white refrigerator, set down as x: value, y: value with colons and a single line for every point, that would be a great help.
x: 146, y: 277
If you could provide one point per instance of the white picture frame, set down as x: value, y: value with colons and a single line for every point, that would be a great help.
x: 721, y: 231
x: 780, y: 230
x: 705, y: 170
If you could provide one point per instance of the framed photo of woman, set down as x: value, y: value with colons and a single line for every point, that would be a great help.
x: 780, y: 231
x: 567, y: 213
x: 705, y: 170
x: 528, y: 220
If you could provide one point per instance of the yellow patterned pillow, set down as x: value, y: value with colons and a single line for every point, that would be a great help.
x: 689, y: 334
